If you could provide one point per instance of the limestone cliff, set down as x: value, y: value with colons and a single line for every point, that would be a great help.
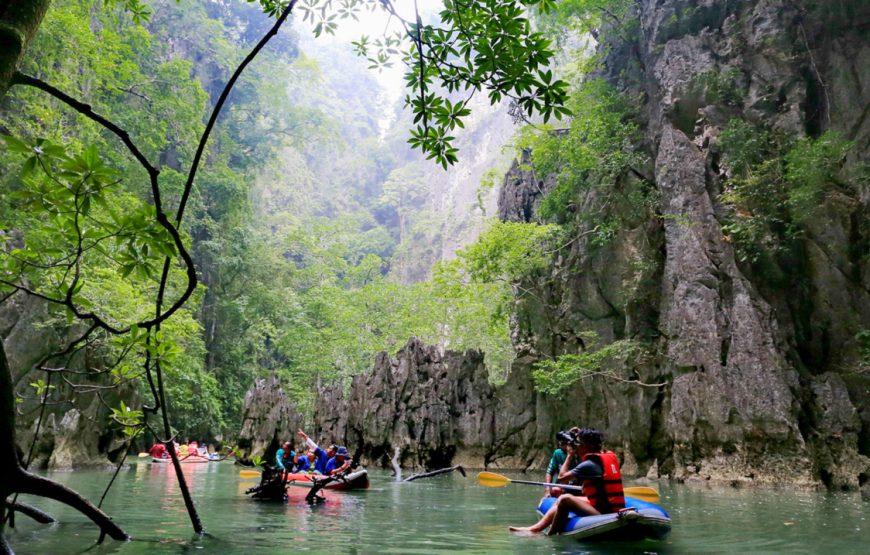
x: 268, y: 419
x: 436, y: 406
x: 764, y: 376
x: 75, y: 429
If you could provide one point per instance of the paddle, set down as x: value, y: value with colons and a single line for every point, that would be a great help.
x: 493, y: 480
x: 144, y: 455
x: 249, y: 473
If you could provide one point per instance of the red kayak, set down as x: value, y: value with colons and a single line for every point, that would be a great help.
x: 355, y: 480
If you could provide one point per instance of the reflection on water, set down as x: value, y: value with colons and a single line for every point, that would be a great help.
x: 443, y: 514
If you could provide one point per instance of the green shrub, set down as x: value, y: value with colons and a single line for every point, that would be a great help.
x: 775, y: 185
x: 718, y: 87
x: 589, y: 157
x: 555, y: 376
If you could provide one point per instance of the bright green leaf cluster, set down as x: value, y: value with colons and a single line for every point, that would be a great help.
x: 556, y: 376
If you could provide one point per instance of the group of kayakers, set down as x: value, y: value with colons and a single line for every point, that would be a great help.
x: 183, y: 450
x: 311, y: 458
x: 580, y: 459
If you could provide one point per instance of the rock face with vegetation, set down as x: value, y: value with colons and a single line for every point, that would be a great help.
x: 74, y: 432
x: 746, y: 288
x: 721, y: 271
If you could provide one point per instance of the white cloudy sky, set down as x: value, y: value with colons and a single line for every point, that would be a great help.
x: 373, y: 24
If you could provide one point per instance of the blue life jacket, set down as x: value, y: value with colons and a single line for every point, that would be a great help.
x: 320, y: 460
x: 303, y: 464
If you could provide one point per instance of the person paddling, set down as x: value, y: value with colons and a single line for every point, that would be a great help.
x: 339, y: 463
x: 602, y: 484
x: 321, y: 457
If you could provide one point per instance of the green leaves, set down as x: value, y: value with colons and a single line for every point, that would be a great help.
x: 599, y: 146
x: 40, y: 387
x: 508, y: 251
x: 128, y: 419
x: 556, y: 376
x: 774, y: 185
x: 478, y: 46
x: 75, y: 221
x: 140, y: 12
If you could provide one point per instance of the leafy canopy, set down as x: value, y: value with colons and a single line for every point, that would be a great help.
x: 477, y: 46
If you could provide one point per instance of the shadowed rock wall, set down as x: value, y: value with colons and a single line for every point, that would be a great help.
x: 436, y: 406
x: 268, y: 419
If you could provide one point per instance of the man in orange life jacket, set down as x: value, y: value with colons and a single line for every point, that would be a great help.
x: 601, y: 479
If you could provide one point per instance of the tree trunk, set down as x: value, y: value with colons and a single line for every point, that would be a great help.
x: 14, y: 479
x: 19, y: 20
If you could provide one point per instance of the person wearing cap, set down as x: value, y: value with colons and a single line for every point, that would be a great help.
x: 564, y: 438
x: 339, y: 463
x: 321, y: 457
x: 600, y: 476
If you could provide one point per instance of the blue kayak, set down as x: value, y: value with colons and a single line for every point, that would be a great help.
x: 638, y: 521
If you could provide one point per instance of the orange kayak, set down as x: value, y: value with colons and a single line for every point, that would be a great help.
x: 354, y: 480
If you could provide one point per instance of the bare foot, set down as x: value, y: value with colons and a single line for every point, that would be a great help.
x: 525, y: 529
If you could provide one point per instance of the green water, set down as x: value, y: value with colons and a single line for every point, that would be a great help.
x: 439, y: 515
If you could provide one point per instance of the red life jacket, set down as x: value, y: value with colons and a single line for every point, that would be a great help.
x: 605, y: 493
x: 158, y: 451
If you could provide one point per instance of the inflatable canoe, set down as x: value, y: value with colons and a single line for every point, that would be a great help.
x: 354, y: 480
x: 638, y: 521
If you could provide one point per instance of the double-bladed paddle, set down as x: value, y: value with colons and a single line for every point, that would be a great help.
x: 493, y: 480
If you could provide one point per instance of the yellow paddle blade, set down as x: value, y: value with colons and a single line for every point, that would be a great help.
x: 249, y: 473
x: 144, y: 455
x: 492, y: 480
x: 649, y: 495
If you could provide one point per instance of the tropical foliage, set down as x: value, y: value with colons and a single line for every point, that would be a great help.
x: 299, y: 216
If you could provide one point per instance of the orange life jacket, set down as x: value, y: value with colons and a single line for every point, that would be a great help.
x: 605, y: 493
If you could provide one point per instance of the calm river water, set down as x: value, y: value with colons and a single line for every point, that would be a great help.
x: 439, y: 515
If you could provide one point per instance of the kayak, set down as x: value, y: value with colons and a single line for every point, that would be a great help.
x: 354, y: 480
x: 187, y: 460
x: 638, y: 521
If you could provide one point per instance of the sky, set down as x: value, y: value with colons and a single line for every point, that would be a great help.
x: 373, y: 24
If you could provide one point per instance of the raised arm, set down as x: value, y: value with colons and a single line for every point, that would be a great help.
x: 308, y: 440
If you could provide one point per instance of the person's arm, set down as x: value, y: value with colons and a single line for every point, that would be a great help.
x: 587, y: 470
x: 308, y: 440
x: 278, y: 457
x: 341, y: 468
x: 565, y: 472
x: 552, y: 471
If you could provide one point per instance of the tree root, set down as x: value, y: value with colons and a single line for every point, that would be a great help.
x: 43, y: 487
x: 38, y: 515
x: 436, y: 473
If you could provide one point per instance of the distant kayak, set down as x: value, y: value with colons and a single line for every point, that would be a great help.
x: 189, y: 460
x: 638, y: 521
x: 355, y: 480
